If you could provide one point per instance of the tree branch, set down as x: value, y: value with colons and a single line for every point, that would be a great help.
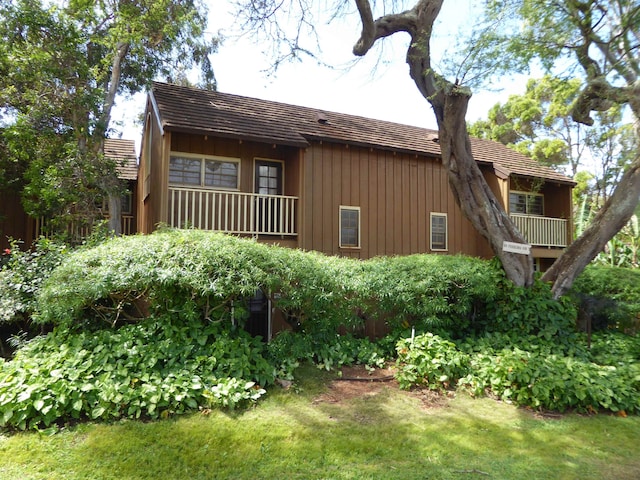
x: 382, y: 27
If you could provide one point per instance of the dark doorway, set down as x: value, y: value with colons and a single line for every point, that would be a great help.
x: 258, y: 323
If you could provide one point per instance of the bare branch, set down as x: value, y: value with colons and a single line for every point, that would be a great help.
x: 382, y: 27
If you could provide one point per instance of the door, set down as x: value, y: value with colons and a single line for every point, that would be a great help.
x: 259, y: 321
x: 268, y: 185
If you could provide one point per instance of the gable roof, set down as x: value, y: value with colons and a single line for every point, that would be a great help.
x: 124, y: 153
x: 207, y: 112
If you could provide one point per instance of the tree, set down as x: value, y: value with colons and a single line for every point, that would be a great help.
x: 601, y: 38
x: 570, y: 31
x: 62, y: 66
x: 538, y: 123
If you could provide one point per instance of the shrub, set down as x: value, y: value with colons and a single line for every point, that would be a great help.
x: 195, y: 274
x: 22, y: 275
x: 327, y: 351
x: 427, y: 291
x: 610, y: 296
x: 529, y: 311
x: 151, y: 369
x: 204, y: 274
x: 554, y: 382
x: 429, y: 360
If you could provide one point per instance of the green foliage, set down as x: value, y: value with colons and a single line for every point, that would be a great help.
x: 529, y: 371
x: 328, y: 351
x: 536, y: 122
x: 194, y: 274
x: 152, y: 369
x: 539, y: 379
x: 426, y: 291
x: 429, y: 360
x: 207, y: 275
x: 62, y: 64
x: 529, y: 311
x: 22, y: 274
x: 610, y: 295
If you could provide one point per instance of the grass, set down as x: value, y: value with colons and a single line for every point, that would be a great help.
x: 291, y: 435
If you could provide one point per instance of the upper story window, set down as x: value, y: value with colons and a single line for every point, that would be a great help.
x: 214, y: 172
x: 439, y: 231
x: 526, y: 203
x: 350, y: 227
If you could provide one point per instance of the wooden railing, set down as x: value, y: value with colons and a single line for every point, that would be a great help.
x: 543, y: 231
x: 77, y: 232
x: 232, y: 212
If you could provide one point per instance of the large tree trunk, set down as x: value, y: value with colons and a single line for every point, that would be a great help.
x: 112, y: 185
x: 449, y: 102
x: 115, y: 214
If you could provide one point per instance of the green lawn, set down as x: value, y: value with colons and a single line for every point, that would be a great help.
x: 291, y: 435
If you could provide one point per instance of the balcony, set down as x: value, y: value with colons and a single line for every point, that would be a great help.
x: 232, y: 212
x: 543, y: 231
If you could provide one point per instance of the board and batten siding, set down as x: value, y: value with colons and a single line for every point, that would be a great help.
x: 396, y: 192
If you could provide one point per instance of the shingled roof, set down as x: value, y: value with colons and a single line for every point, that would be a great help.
x: 124, y: 153
x: 206, y: 112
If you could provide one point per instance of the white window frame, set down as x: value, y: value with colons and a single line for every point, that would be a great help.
x: 527, y: 195
x: 345, y: 208
x: 203, y: 159
x: 433, y: 215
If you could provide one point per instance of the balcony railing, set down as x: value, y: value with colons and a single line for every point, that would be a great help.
x: 232, y: 212
x: 542, y: 231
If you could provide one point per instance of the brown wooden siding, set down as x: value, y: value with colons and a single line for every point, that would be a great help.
x: 14, y: 222
x: 395, y: 192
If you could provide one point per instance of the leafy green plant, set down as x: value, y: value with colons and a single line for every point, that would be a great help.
x: 427, y: 291
x: 529, y: 311
x: 151, y: 369
x: 554, y: 382
x: 429, y: 360
x: 22, y: 275
x: 610, y: 295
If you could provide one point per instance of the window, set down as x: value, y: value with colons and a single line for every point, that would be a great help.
x: 203, y: 172
x: 526, y: 203
x: 350, y: 227
x: 439, y: 231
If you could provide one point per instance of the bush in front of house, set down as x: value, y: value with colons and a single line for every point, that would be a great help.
x: 609, y: 297
x: 194, y: 274
x: 151, y: 369
x: 209, y: 275
x: 530, y: 371
x: 427, y: 292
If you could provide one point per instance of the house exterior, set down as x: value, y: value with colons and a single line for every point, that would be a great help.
x: 325, y: 181
x: 16, y: 224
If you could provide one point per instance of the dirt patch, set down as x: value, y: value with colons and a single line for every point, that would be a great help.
x: 358, y: 382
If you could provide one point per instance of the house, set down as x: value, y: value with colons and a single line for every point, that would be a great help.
x: 331, y: 182
x: 16, y: 224
x: 325, y: 181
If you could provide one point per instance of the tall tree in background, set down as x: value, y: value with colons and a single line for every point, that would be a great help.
x: 597, y: 37
x: 62, y: 66
x: 601, y: 39
x: 538, y: 124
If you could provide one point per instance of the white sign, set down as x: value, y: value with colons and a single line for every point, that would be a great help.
x: 521, y: 248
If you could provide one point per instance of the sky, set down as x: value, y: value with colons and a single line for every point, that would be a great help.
x: 369, y: 88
